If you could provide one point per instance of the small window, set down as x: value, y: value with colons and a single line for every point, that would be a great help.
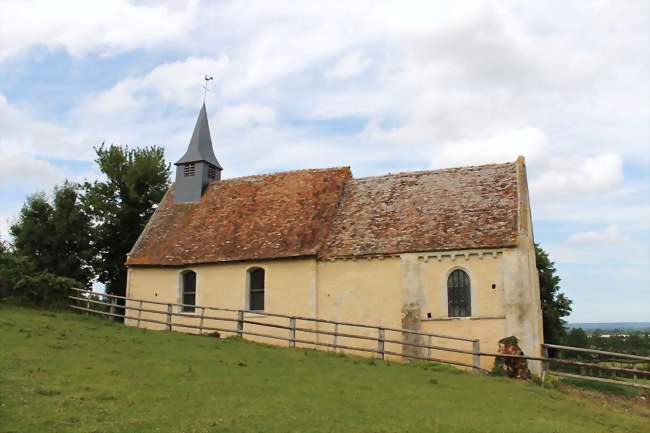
x: 188, y: 291
x: 256, y: 289
x: 212, y: 172
x: 459, y: 294
x: 189, y: 169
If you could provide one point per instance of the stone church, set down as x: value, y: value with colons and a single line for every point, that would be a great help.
x: 444, y: 251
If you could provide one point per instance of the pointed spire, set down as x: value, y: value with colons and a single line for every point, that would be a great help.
x: 200, y: 148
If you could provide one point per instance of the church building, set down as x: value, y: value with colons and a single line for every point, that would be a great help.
x: 440, y: 251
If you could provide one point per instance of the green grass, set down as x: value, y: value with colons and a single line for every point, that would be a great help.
x: 63, y: 372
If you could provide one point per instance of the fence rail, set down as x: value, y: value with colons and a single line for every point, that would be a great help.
x: 594, y: 365
x: 85, y: 299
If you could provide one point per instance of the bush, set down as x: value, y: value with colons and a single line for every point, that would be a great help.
x: 22, y: 281
x: 44, y: 289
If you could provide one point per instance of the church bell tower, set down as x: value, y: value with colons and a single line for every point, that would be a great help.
x: 198, y: 167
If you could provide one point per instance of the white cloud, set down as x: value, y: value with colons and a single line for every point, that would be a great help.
x: 594, y: 175
x: 349, y: 65
x: 502, y: 147
x: 82, y: 27
x: 21, y: 133
x: 244, y: 115
x: 610, y: 235
x: 20, y: 169
x: 175, y: 83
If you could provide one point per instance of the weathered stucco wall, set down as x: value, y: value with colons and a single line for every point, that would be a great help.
x: 290, y: 289
x: 408, y: 290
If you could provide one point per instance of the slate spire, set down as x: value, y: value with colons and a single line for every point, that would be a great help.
x: 198, y: 166
x: 200, y: 148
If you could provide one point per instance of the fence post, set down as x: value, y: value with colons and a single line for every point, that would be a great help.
x: 139, y: 313
x: 112, y: 309
x: 292, y: 332
x: 169, y: 317
x: 429, y: 348
x: 336, y: 335
x: 476, y: 349
x: 380, y: 343
x: 240, y: 323
x: 201, y: 321
x: 545, y: 364
x: 88, y: 304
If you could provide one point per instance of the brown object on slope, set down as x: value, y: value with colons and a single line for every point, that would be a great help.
x: 517, y: 368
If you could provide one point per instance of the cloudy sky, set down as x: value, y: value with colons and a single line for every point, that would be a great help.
x: 379, y: 86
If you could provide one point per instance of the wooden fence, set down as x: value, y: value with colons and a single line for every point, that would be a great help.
x: 410, y: 341
x: 585, y: 370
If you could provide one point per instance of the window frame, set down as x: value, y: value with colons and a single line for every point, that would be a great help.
x: 185, y: 308
x: 250, y: 290
x: 465, y: 310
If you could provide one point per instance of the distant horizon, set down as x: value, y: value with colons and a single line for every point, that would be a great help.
x: 608, y: 323
x: 610, y: 326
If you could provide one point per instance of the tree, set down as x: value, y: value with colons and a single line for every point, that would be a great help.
x: 577, y: 337
x: 555, y: 305
x: 32, y: 232
x: 23, y: 281
x: 7, y: 270
x: 120, y: 205
x: 56, y: 235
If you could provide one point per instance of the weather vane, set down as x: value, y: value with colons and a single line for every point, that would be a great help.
x: 205, y: 86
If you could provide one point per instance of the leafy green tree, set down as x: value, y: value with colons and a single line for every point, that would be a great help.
x: 121, y: 204
x: 577, y: 337
x: 555, y: 305
x: 22, y: 281
x: 32, y: 232
x: 635, y: 343
x: 7, y: 270
x: 55, y: 235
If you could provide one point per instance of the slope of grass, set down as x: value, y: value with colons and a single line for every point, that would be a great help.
x: 63, y: 372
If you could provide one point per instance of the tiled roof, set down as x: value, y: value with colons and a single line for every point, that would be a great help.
x: 257, y: 217
x: 452, y: 209
x: 329, y: 214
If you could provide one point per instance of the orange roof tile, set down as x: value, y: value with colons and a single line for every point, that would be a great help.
x: 451, y: 209
x: 257, y: 217
x: 326, y: 213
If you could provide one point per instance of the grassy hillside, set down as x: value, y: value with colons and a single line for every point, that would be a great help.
x: 70, y: 373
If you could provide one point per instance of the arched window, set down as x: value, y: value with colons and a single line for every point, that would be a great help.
x: 256, y: 289
x: 459, y: 294
x: 188, y: 291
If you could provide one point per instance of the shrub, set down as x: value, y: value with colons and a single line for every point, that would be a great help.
x: 43, y: 289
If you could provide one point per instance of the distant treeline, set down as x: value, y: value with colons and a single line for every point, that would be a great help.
x: 636, y: 342
x: 611, y: 326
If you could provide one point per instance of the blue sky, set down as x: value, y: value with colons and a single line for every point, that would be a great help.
x: 379, y: 86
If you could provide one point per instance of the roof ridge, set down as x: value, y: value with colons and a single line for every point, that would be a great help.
x: 438, y: 170
x: 300, y: 170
